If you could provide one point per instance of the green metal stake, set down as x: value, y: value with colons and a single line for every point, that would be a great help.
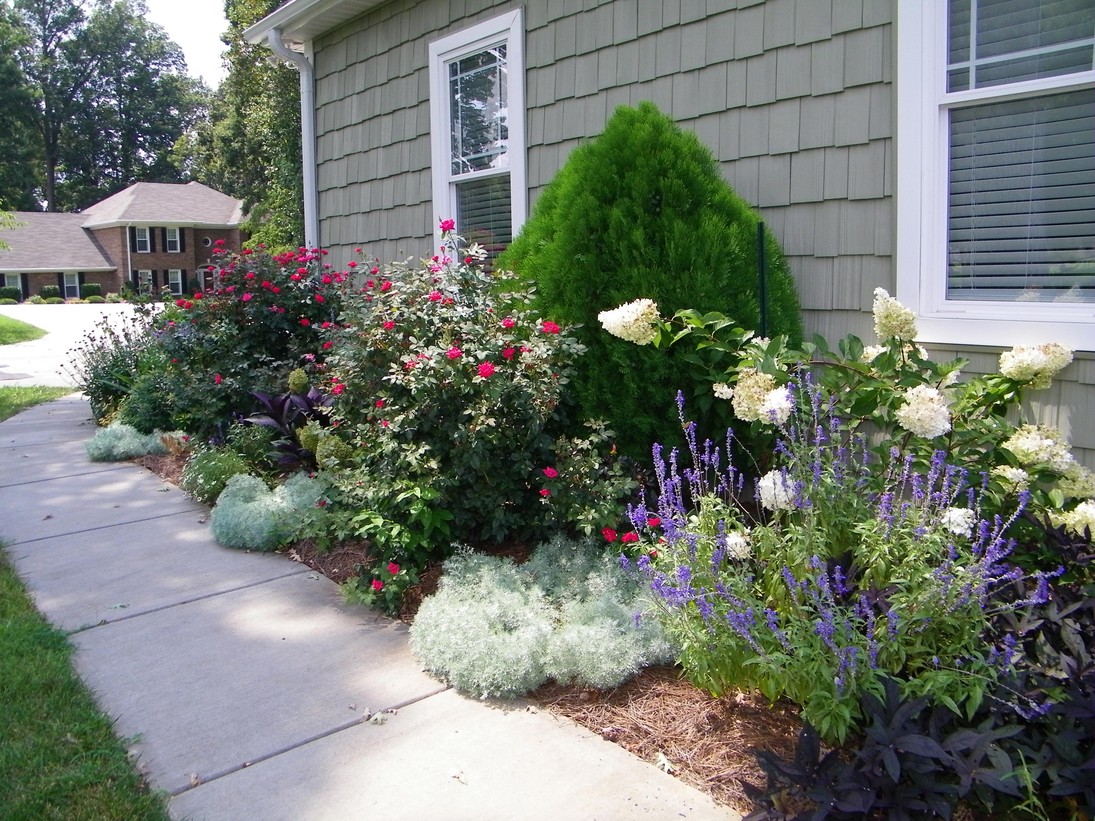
x: 762, y: 272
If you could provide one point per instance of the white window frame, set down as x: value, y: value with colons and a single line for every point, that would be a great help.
x: 175, y: 281
x: 144, y: 281
x: 509, y: 29
x: 14, y: 281
x: 921, y: 232
x: 172, y: 244
x: 72, y: 283
x: 142, y: 236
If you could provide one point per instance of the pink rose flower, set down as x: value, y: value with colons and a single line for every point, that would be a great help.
x: 545, y: 492
x: 549, y: 327
x: 550, y: 472
x: 447, y: 225
x: 393, y: 568
x: 485, y: 369
x: 509, y: 322
x: 378, y: 585
x: 454, y: 353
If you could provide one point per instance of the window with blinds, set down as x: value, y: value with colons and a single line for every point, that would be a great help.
x: 1021, y: 162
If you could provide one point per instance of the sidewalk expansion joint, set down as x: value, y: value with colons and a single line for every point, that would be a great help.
x: 119, y: 466
x: 195, y: 511
x: 345, y: 725
x: 203, y: 597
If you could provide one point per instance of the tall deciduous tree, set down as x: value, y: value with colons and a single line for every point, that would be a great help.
x: 19, y: 155
x: 249, y: 146
x: 110, y: 96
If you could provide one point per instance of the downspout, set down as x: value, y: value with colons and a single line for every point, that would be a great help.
x: 307, y: 133
x: 128, y: 277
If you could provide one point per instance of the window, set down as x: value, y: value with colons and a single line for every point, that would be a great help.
x: 996, y: 170
x: 13, y: 281
x: 175, y: 281
x: 171, y: 240
x: 477, y: 123
x: 207, y: 241
x: 142, y: 243
x: 72, y: 286
x: 144, y: 282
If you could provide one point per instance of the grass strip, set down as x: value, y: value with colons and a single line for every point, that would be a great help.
x: 14, y: 398
x: 12, y: 331
x: 59, y: 757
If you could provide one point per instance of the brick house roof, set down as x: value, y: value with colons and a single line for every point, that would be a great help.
x: 167, y: 204
x: 51, y: 242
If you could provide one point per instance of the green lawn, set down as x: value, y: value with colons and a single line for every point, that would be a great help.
x: 14, y: 399
x: 12, y: 331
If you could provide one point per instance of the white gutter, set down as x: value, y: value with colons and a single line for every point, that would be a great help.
x: 307, y: 133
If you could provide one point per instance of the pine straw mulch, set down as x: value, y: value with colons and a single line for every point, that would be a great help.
x: 658, y: 715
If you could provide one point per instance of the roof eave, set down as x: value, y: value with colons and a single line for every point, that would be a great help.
x: 301, y: 21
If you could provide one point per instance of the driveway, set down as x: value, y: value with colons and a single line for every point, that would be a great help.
x: 41, y: 361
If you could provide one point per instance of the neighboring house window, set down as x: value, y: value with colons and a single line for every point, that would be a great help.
x: 14, y: 281
x: 175, y: 281
x: 142, y: 244
x: 72, y: 286
x: 172, y: 240
x: 144, y: 282
x: 477, y: 119
x: 996, y: 170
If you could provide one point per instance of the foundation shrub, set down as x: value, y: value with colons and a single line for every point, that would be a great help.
x: 90, y: 289
x: 438, y: 387
x: 48, y: 292
x: 14, y: 294
x: 643, y: 212
x: 118, y: 442
x: 570, y: 614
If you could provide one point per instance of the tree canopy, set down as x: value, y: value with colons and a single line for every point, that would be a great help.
x: 98, y: 95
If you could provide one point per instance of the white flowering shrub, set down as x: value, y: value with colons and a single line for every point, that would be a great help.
x: 118, y: 442
x: 633, y: 321
x: 571, y: 613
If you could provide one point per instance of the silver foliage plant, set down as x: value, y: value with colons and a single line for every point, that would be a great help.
x: 250, y: 516
x: 572, y: 614
x: 118, y: 442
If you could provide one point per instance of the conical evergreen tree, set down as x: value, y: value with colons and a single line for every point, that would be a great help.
x: 643, y: 211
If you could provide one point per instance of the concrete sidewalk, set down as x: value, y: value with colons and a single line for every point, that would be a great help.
x: 246, y: 682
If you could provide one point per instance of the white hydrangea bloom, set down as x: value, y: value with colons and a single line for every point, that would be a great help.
x: 634, y: 321
x: 723, y: 391
x: 1014, y: 478
x: 871, y: 353
x: 1042, y: 445
x: 776, y: 407
x: 737, y: 545
x: 891, y: 318
x: 1078, y: 483
x: 776, y: 491
x: 752, y: 389
x: 1080, y: 518
x: 924, y: 412
x: 959, y: 521
x: 1035, y: 365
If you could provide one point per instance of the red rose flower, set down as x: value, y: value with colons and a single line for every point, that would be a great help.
x: 378, y: 585
x: 486, y: 369
x: 630, y: 538
x: 609, y: 534
x: 550, y: 472
x: 393, y: 568
x: 447, y: 225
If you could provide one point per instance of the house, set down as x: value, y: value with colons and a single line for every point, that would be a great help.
x: 888, y: 143
x: 150, y: 235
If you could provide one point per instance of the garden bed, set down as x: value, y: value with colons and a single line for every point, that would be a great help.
x: 658, y: 716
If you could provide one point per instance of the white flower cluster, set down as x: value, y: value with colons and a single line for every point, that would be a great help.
x: 776, y: 491
x: 722, y: 390
x: 871, y: 353
x: 959, y: 521
x: 1014, y: 479
x: 750, y: 394
x: 776, y: 407
x: 1079, y: 518
x: 1043, y: 445
x: 1035, y: 365
x: 634, y: 321
x: 737, y: 545
x: 892, y: 320
x: 925, y: 412
x: 1077, y: 483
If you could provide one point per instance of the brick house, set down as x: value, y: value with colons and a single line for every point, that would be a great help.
x: 940, y: 149
x: 150, y: 235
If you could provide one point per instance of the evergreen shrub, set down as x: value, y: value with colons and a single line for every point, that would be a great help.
x: 643, y: 212
x: 90, y: 289
x: 13, y: 294
x: 6, y: 301
x: 49, y: 291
